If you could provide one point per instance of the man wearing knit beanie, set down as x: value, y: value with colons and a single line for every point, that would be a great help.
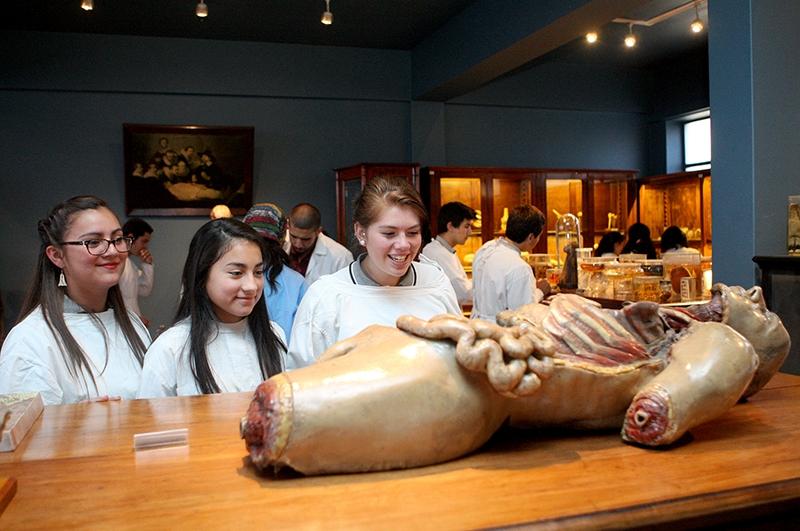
x: 268, y: 220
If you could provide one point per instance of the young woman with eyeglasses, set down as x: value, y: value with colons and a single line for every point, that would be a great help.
x: 74, y: 340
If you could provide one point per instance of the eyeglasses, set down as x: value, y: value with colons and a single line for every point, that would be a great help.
x: 99, y: 246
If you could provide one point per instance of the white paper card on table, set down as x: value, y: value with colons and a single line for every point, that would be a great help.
x: 161, y: 439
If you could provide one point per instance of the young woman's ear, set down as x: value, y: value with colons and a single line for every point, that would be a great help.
x: 55, y: 255
x: 360, y: 232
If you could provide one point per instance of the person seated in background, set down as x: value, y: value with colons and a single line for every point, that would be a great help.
x: 222, y: 340
x: 137, y: 280
x: 610, y: 245
x: 312, y: 253
x: 382, y: 284
x: 75, y: 340
x: 284, y: 287
x: 502, y: 280
x: 673, y: 240
x: 639, y: 241
x: 454, y: 225
x: 220, y: 212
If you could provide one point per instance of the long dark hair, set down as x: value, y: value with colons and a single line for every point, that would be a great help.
x: 208, y: 245
x: 639, y: 241
x: 44, y: 292
x: 608, y: 241
x: 275, y: 259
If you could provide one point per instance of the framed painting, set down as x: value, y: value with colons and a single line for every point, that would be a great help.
x: 185, y: 170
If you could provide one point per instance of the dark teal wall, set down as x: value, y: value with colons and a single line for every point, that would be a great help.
x: 63, y: 99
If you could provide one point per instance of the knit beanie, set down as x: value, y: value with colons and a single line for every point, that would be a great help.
x: 267, y: 219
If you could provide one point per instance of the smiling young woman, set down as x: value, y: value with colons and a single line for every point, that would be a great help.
x: 75, y: 340
x: 222, y: 340
x: 382, y: 283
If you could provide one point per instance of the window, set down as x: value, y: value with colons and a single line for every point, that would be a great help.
x: 697, y: 145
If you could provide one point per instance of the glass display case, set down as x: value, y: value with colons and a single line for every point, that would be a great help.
x: 350, y: 181
x: 680, y: 199
x: 595, y: 196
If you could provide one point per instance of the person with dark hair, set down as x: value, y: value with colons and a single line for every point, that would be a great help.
x: 75, y: 340
x: 610, y: 245
x: 222, y: 339
x: 639, y: 241
x: 673, y: 240
x: 137, y: 279
x: 454, y: 225
x: 312, y: 253
x: 502, y: 279
x: 285, y: 287
x: 379, y: 286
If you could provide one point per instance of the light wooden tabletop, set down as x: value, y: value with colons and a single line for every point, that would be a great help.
x: 77, y: 468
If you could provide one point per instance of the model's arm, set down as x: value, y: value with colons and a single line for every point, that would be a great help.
x: 146, y: 279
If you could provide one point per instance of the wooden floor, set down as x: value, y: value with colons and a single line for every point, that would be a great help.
x: 77, y: 468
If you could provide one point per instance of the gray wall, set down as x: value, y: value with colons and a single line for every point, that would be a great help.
x: 63, y: 99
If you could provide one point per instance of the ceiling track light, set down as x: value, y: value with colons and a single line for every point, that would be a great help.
x: 630, y: 38
x: 697, y: 24
x: 591, y: 37
x: 201, y: 10
x: 87, y: 5
x: 327, y: 15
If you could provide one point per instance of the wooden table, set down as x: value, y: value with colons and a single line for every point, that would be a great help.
x: 77, y: 468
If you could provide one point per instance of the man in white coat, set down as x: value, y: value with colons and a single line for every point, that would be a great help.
x: 137, y: 278
x: 311, y: 253
x: 454, y: 226
x: 502, y: 279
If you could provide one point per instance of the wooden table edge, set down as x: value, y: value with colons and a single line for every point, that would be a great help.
x: 8, y: 488
x: 714, y: 508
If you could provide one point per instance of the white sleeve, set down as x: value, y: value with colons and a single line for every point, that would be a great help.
x: 462, y: 286
x: 452, y: 267
x: 312, y: 332
x: 146, y: 279
x: 23, y: 369
x: 160, y: 371
x: 520, y: 288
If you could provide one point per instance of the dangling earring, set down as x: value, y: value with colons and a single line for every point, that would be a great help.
x: 62, y: 282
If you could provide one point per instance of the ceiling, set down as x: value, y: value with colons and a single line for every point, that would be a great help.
x: 387, y: 24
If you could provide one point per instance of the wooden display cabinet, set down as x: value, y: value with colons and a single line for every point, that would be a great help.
x: 681, y: 199
x: 349, y: 183
x: 591, y: 194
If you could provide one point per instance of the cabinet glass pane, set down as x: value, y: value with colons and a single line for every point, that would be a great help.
x: 467, y: 191
x: 674, y: 204
x: 351, y: 190
x: 563, y: 196
x: 507, y: 194
x: 610, y: 208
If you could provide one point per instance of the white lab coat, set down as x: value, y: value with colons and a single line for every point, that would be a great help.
x: 502, y: 280
x: 336, y: 308
x: 232, y: 357
x: 135, y: 282
x: 449, y: 262
x: 329, y: 256
x: 31, y: 359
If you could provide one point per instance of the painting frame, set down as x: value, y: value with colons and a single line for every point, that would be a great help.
x: 185, y: 170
